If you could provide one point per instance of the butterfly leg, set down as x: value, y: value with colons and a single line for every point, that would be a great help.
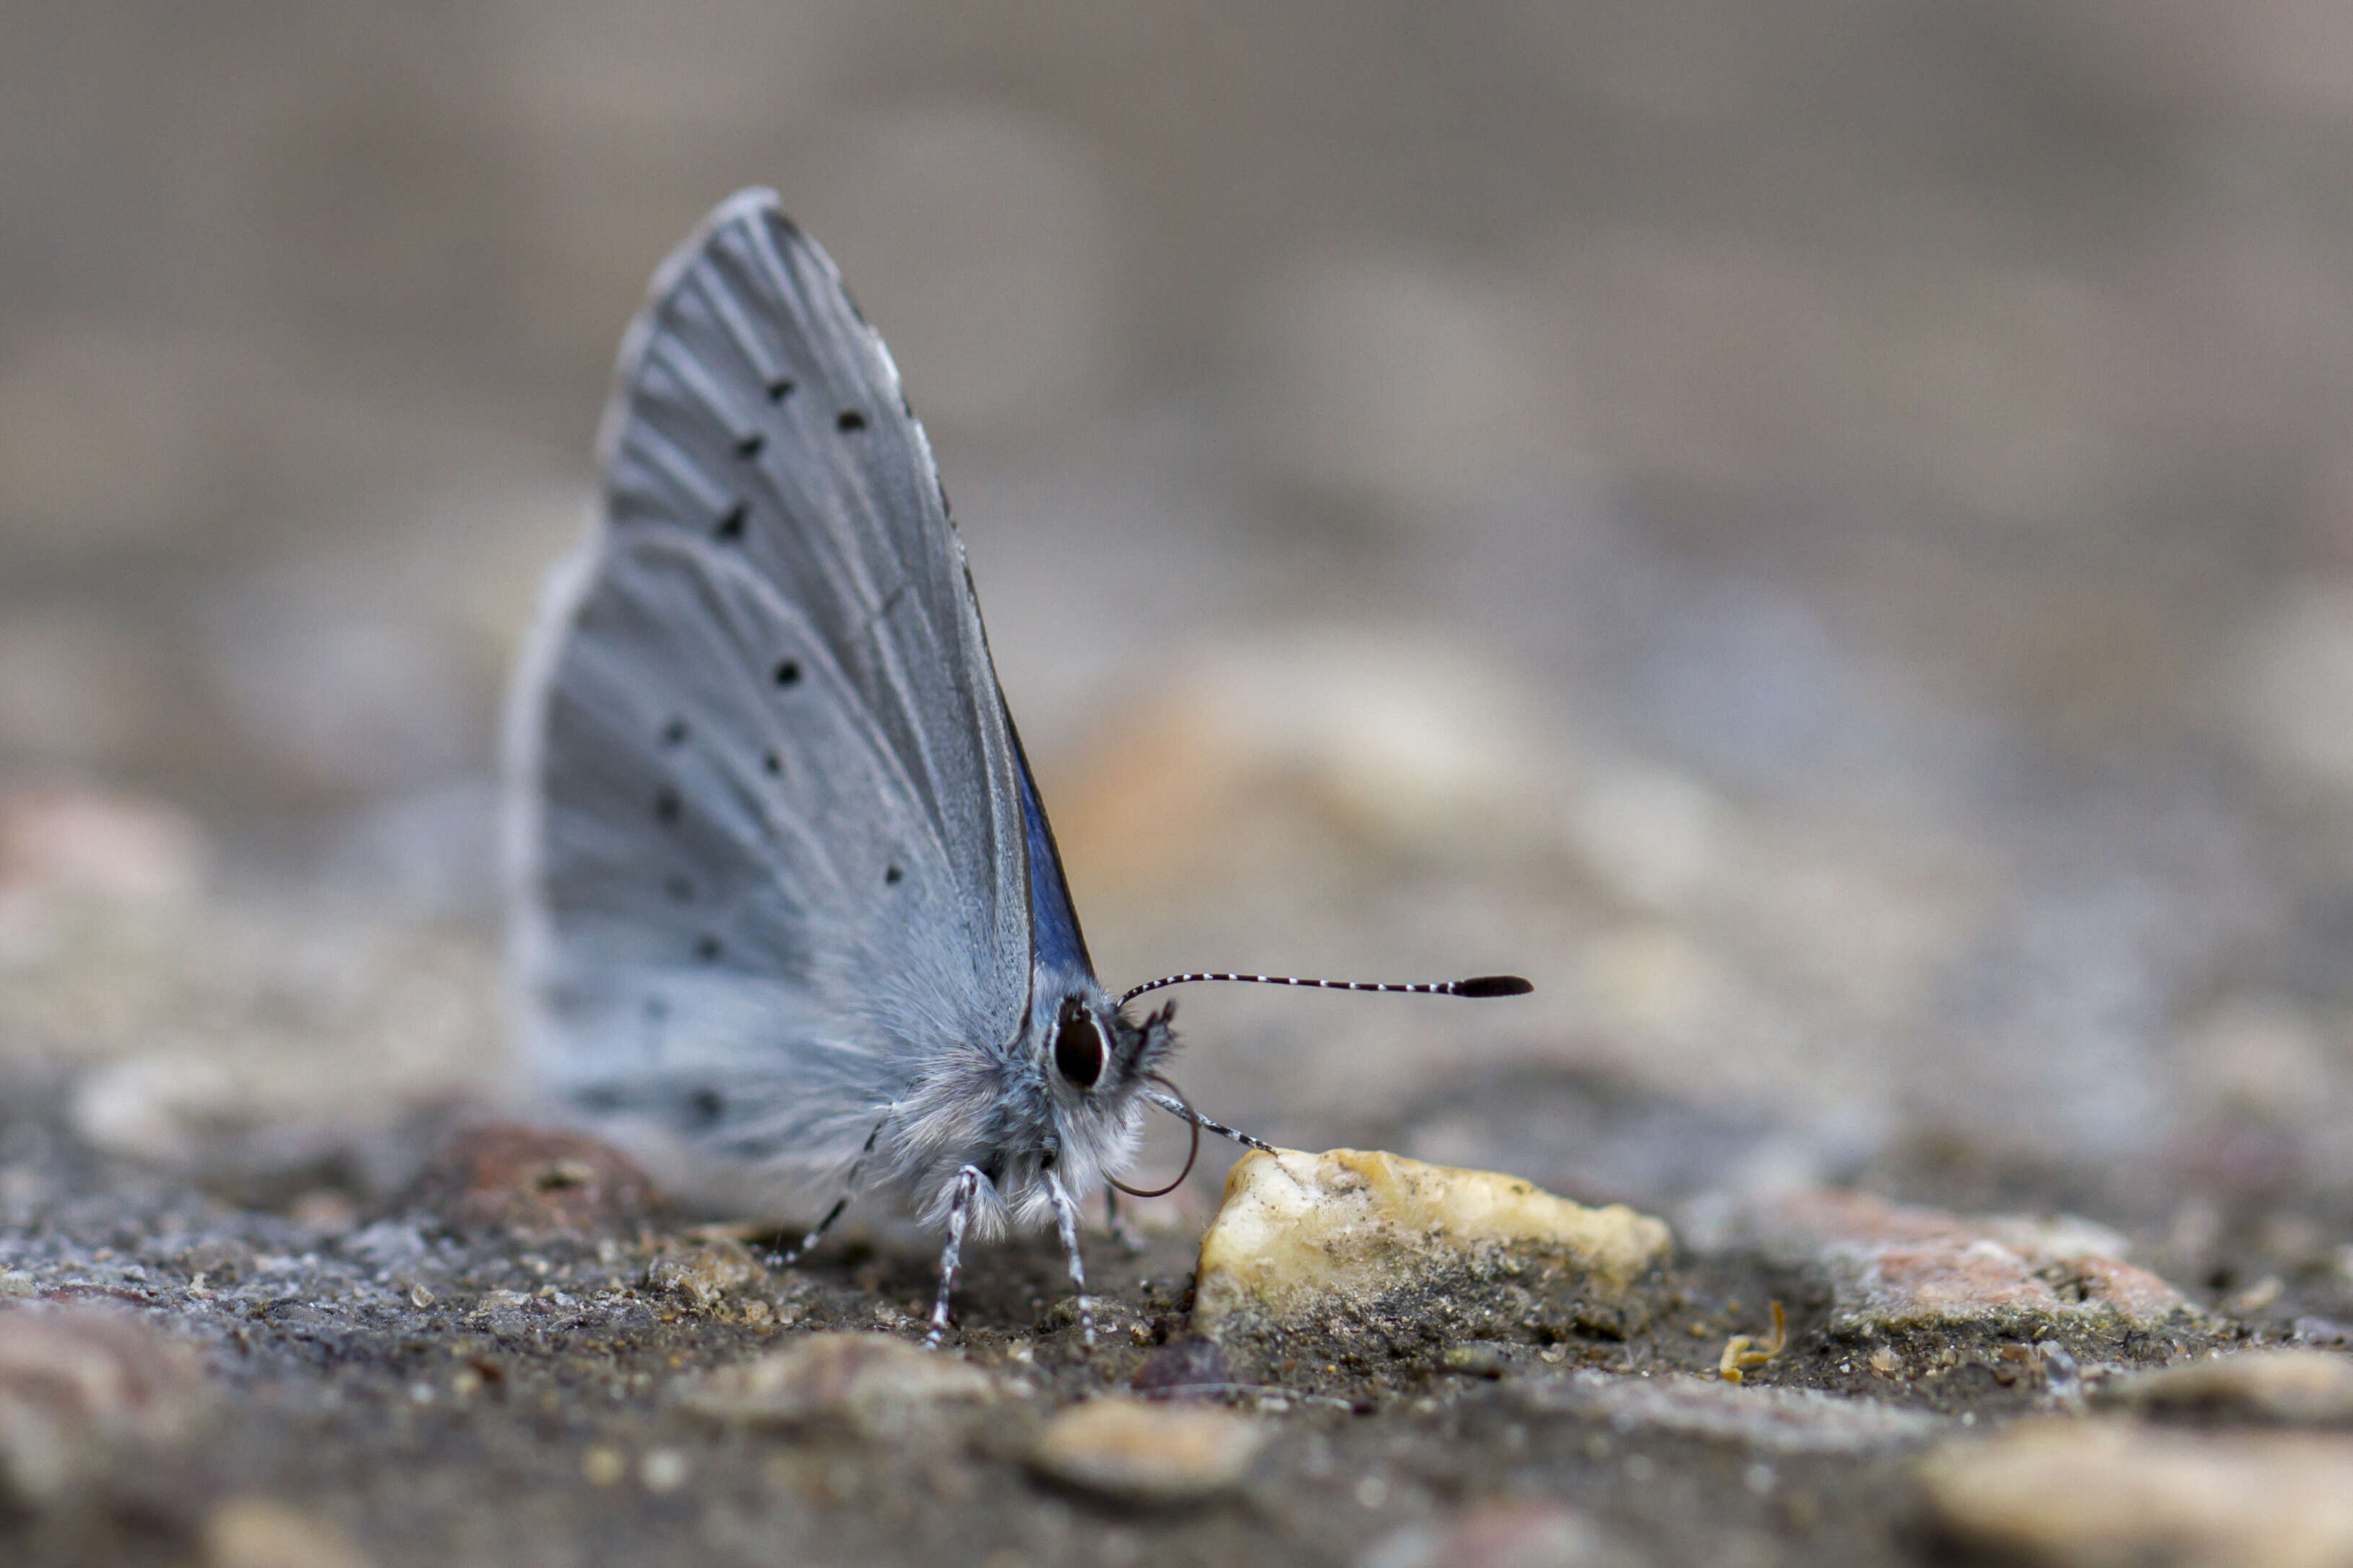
x: 1066, y: 1220
x: 967, y: 1187
x: 849, y: 1189
x: 1120, y: 1234
x: 793, y: 1254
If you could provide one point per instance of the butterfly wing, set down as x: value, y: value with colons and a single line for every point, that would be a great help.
x: 767, y: 811
x: 1060, y: 948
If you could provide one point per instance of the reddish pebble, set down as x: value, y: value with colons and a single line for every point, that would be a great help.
x: 505, y: 1177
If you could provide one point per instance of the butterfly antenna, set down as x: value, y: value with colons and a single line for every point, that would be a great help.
x: 1477, y: 985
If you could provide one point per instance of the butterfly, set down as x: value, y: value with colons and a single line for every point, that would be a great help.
x: 781, y: 882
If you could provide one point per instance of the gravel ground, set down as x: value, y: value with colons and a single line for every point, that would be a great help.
x: 498, y: 1362
x: 1820, y: 532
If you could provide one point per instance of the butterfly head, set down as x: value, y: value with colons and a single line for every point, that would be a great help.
x: 1097, y: 1054
x: 1094, y: 1060
x: 1076, y: 1108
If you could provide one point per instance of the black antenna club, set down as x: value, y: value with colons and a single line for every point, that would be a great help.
x: 1476, y: 986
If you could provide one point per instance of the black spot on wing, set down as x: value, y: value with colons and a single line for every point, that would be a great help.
x: 789, y: 672
x: 704, y: 1107
x: 749, y: 446
x: 707, y: 948
x: 773, y: 763
x: 678, y: 887
x: 779, y: 389
x: 674, y: 732
x: 730, y: 526
x: 667, y: 805
x: 849, y: 419
x: 892, y: 876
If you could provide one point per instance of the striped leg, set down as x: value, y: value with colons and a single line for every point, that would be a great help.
x: 1066, y: 1220
x: 849, y: 1189
x: 1120, y: 1235
x: 967, y: 1187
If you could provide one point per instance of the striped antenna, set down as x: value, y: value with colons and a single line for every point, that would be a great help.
x: 1477, y: 985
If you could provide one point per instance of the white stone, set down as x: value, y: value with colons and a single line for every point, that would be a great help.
x: 1301, y: 1236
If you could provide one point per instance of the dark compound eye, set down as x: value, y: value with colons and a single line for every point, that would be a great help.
x: 1078, y: 1045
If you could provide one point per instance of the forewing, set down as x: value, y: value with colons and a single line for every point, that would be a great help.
x: 768, y: 809
x: 1058, y: 948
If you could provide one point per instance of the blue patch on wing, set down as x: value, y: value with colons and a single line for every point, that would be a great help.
x: 1054, y: 934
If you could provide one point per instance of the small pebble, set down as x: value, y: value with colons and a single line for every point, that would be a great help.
x: 2281, y: 1387
x: 873, y: 1385
x: 1764, y: 1420
x: 706, y: 1274
x: 664, y: 1470
x: 2063, y: 1491
x: 1480, y: 1357
x: 251, y: 1532
x: 76, y: 1383
x: 123, y: 849
x: 1147, y: 1452
x: 529, y: 1180
x: 1895, y: 1267
x: 1499, y: 1535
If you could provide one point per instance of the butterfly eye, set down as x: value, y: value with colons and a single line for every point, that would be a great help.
x: 1079, y: 1046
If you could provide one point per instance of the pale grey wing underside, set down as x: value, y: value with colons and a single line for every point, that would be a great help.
x: 770, y: 832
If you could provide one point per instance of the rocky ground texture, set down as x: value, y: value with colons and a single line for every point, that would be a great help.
x: 1821, y: 533
x: 524, y: 1356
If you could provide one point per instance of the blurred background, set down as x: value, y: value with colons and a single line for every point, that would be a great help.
x: 1821, y: 533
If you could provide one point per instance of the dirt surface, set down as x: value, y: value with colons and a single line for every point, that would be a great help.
x: 415, y: 1385
x: 1821, y: 533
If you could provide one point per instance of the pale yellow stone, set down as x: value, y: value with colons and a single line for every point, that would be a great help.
x: 254, y: 1532
x: 1145, y: 1452
x: 2111, y: 1492
x: 1297, y: 1230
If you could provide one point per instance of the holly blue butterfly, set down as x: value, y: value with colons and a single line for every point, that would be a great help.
x: 781, y: 879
